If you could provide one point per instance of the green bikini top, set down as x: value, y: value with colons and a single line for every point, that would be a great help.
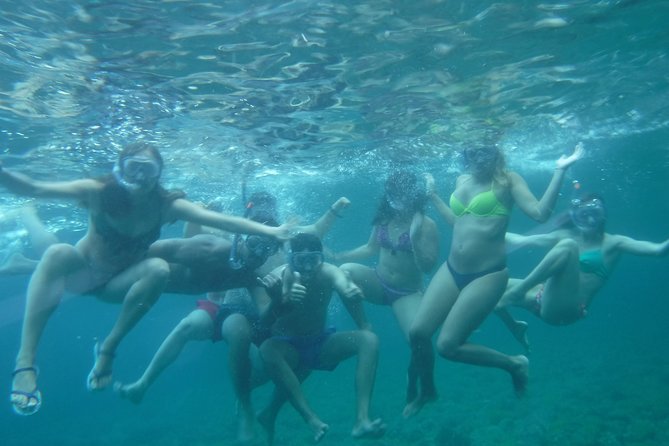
x: 485, y: 204
x: 592, y: 262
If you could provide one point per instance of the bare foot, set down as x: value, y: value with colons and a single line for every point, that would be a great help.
x: 520, y: 374
x: 245, y: 426
x: 100, y: 377
x: 417, y: 404
x: 17, y: 264
x: 132, y: 392
x: 320, y: 431
x: 369, y: 429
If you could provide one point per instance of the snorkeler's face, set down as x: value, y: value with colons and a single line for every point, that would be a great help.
x: 260, y: 247
x: 306, y: 262
x: 588, y: 216
x: 481, y: 159
x: 137, y: 172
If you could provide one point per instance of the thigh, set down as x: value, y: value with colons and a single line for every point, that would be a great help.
x: 562, y: 290
x: 116, y: 289
x: 340, y: 346
x: 405, y: 310
x: 272, y: 350
x: 473, y: 305
x: 366, y: 278
x: 436, y: 303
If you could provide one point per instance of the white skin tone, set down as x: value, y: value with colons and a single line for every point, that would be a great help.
x: 40, y: 238
x: 477, y: 245
x: 400, y: 270
x: 301, y: 312
x: 236, y: 332
x: 567, y: 291
x: 135, y: 283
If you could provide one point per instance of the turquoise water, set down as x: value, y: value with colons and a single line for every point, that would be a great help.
x: 314, y: 100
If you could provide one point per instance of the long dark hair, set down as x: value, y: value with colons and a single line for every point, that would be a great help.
x: 402, y: 183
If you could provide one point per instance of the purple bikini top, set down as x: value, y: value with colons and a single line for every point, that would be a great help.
x: 403, y: 241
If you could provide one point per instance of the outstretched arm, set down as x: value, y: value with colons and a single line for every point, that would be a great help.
x: 370, y: 249
x: 187, y: 211
x: 323, y: 225
x: 515, y: 241
x: 641, y: 247
x: 540, y: 210
x: 21, y: 184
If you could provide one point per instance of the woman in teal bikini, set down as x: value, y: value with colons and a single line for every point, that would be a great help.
x: 470, y: 283
x: 561, y: 288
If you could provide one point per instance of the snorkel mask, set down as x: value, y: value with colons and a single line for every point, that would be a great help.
x: 481, y: 159
x: 588, y: 216
x: 137, y: 172
x: 260, y: 248
x: 305, y: 262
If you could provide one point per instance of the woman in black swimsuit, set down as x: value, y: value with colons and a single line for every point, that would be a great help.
x: 127, y: 210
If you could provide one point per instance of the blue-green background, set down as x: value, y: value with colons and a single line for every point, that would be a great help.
x: 314, y: 100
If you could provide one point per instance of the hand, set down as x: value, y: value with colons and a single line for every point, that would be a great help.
x: 352, y: 291
x: 297, y: 291
x: 565, y: 161
x: 340, y: 204
x: 286, y: 231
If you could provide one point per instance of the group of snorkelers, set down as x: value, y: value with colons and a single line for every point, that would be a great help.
x: 268, y: 285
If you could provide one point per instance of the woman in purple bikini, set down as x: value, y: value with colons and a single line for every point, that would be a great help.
x: 406, y: 243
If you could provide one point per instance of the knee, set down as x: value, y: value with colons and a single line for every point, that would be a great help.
x: 190, y: 328
x: 60, y: 255
x: 157, y: 270
x: 568, y: 246
x: 418, y: 335
x: 236, y: 330
x: 447, y: 347
x: 369, y: 341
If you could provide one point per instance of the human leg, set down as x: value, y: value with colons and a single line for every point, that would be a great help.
x: 236, y: 331
x: 365, y: 345
x: 267, y: 416
x: 45, y: 291
x: 281, y: 359
x: 471, y: 308
x: 436, y: 302
x: 41, y: 238
x: 197, y: 326
x: 137, y: 288
x: 551, y: 290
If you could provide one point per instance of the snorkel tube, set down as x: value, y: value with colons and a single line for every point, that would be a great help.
x: 234, y: 261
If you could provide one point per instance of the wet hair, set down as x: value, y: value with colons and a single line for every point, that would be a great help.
x: 261, y: 207
x: 116, y: 200
x: 400, y: 183
x: 305, y: 242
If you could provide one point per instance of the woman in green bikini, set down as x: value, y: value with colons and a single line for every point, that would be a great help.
x: 561, y: 288
x: 470, y: 283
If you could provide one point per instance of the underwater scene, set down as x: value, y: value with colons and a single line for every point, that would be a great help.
x: 549, y: 120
